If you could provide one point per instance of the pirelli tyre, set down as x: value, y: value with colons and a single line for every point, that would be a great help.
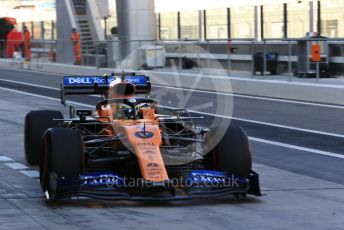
x: 62, y: 157
x: 232, y: 154
x: 36, y: 123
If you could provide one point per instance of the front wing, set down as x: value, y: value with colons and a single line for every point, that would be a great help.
x: 198, y: 184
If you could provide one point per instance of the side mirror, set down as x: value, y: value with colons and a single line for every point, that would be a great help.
x: 83, y: 114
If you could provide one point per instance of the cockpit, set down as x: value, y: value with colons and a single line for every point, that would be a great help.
x: 127, y: 108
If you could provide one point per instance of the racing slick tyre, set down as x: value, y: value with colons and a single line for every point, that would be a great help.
x: 36, y: 123
x: 232, y: 154
x: 62, y: 157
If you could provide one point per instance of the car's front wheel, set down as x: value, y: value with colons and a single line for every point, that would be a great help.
x: 62, y: 157
x: 232, y: 154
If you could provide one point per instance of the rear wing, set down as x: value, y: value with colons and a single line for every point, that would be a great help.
x: 93, y: 85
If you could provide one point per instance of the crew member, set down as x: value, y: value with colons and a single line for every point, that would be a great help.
x: 27, y: 43
x: 76, y: 46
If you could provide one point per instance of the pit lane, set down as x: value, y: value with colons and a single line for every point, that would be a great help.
x: 304, y: 190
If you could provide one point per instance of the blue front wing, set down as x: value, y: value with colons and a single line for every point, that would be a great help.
x: 198, y: 184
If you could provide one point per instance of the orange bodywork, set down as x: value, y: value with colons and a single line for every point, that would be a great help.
x: 141, y: 136
x: 76, y: 47
x: 146, y: 145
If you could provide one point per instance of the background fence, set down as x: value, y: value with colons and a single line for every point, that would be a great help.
x: 268, y: 59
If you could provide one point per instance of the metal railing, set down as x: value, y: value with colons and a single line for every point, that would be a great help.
x: 237, y: 58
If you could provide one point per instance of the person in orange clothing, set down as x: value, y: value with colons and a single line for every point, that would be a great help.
x: 76, y: 46
x: 27, y: 43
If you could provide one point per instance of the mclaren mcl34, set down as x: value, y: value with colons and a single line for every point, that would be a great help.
x: 126, y: 149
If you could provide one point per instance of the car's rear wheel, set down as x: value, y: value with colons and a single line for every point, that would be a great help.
x: 232, y: 154
x: 62, y: 157
x: 36, y: 123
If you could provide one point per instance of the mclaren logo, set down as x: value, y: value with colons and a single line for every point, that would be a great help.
x: 144, y: 135
x: 152, y: 164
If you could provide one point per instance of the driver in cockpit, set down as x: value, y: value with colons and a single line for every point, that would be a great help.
x: 119, y: 89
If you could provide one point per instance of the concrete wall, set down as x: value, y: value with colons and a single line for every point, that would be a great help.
x: 64, y: 23
x: 242, y: 57
x: 95, y: 16
x: 312, y: 92
x: 103, y: 7
x: 136, y: 26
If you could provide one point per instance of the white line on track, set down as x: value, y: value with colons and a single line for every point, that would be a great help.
x: 319, y: 152
x: 11, y: 163
x: 33, y: 71
x: 29, y: 84
x: 30, y: 173
x: 5, y: 159
x: 16, y: 165
x: 254, y: 97
x: 264, y: 123
x: 45, y: 97
x: 193, y: 111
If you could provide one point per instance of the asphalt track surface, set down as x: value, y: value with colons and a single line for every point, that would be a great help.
x: 298, y: 151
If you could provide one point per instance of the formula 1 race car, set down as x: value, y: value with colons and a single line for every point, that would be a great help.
x: 125, y: 149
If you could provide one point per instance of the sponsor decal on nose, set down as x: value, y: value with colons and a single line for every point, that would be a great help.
x: 144, y: 134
